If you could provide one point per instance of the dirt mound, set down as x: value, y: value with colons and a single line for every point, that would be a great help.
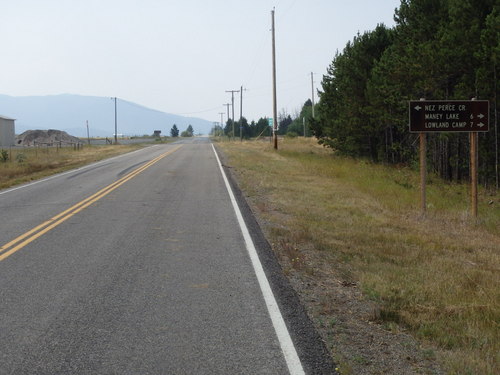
x: 49, y: 137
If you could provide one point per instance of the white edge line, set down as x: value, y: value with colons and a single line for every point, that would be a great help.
x: 71, y: 171
x: 287, y: 347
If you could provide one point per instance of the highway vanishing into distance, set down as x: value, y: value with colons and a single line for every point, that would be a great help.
x: 147, y: 263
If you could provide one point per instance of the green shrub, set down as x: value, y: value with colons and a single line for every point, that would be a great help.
x: 20, y: 158
x: 4, y: 156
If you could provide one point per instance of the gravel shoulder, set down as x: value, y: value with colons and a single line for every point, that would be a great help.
x: 348, y: 322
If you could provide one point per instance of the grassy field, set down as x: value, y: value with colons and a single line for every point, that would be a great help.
x: 20, y: 165
x: 436, y: 276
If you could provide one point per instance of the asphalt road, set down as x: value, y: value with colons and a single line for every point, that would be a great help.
x: 139, y: 265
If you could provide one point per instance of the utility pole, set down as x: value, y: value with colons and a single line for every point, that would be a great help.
x: 116, y: 123
x: 232, y: 105
x: 88, y: 133
x: 312, y: 86
x: 275, y: 111
x: 228, y: 104
x: 241, y: 113
x: 222, y: 120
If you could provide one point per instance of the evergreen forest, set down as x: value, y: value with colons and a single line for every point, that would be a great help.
x: 438, y: 50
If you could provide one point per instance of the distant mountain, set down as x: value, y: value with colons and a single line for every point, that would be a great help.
x: 70, y: 112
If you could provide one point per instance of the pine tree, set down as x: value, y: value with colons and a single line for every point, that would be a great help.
x: 174, y: 132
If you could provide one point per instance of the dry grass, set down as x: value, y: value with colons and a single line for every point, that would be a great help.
x: 27, y: 164
x: 436, y: 276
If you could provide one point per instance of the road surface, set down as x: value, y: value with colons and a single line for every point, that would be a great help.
x: 140, y: 265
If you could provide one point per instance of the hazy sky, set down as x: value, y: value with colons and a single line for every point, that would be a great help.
x: 178, y: 56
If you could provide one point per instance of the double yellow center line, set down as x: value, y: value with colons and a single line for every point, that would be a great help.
x: 28, y: 237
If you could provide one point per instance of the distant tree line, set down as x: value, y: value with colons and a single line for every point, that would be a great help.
x: 298, y: 125
x: 248, y: 130
x: 438, y: 50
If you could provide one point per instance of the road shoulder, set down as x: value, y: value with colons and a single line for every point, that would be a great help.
x: 310, y: 346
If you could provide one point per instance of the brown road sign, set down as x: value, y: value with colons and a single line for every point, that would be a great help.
x: 449, y: 116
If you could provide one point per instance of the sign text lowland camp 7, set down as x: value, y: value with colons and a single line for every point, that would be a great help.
x: 449, y: 116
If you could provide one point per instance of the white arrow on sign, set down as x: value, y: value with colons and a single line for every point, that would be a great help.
x: 481, y: 116
x: 480, y: 124
x: 418, y: 108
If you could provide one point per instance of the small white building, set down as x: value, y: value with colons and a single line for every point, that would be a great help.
x: 7, y: 132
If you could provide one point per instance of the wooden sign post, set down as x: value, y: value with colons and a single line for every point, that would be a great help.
x: 473, y: 172
x: 470, y: 116
x: 423, y: 172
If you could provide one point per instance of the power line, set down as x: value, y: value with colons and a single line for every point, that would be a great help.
x: 193, y: 113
